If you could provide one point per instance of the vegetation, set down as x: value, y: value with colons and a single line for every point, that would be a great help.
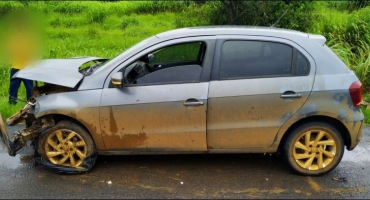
x: 106, y: 28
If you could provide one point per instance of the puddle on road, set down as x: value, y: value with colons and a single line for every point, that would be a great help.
x: 14, y: 162
x: 25, y: 159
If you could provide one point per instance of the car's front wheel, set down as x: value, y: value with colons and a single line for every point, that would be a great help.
x: 67, y: 144
x: 314, y: 148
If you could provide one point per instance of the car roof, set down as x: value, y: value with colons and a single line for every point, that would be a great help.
x: 240, y: 30
x: 230, y: 30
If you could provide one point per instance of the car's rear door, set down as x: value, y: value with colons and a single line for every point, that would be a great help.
x: 257, y: 84
x: 166, y: 109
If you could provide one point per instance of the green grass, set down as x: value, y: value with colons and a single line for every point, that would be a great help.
x: 106, y: 40
x: 366, y: 109
x: 9, y: 110
x: 105, y: 29
x: 89, y: 29
x: 348, y: 36
x: 366, y: 112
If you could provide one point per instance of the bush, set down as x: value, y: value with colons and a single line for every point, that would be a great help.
x: 67, y: 7
x: 6, y: 7
x: 187, y: 19
x: 96, y: 14
x: 55, y: 22
x: 349, y: 28
x: 93, y: 33
x: 266, y: 13
x: 152, y: 7
x: 349, y: 5
x: 129, y: 21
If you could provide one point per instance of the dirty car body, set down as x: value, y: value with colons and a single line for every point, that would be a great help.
x: 196, y: 90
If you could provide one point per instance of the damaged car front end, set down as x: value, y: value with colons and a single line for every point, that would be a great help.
x: 47, y: 72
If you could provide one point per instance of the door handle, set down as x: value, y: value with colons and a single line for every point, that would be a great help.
x: 199, y: 103
x: 290, y: 94
x: 193, y: 102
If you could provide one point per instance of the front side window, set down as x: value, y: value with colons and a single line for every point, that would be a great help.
x: 177, y: 63
x: 178, y: 53
x: 244, y: 58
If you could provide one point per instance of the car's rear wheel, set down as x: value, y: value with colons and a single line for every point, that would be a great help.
x: 67, y: 144
x: 314, y: 148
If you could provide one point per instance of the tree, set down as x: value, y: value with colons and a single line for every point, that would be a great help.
x: 234, y: 7
x: 299, y: 14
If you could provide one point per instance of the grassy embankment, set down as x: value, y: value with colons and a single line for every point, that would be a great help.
x: 89, y: 29
x: 348, y: 36
x: 106, y: 29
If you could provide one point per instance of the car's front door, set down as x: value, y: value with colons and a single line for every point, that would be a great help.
x: 258, y: 84
x: 164, y: 110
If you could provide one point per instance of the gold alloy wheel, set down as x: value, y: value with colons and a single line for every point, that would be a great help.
x: 65, y: 147
x: 314, y: 150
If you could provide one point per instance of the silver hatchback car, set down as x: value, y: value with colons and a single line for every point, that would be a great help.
x: 222, y: 89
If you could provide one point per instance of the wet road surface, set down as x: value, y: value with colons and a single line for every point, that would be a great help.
x: 187, y: 176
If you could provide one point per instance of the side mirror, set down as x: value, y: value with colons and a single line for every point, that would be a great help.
x: 151, y: 57
x: 117, y: 80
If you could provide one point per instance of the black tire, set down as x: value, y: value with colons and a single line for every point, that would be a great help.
x: 65, y: 153
x: 310, y: 159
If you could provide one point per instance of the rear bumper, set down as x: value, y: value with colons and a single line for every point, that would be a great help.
x: 356, y: 138
x: 354, y: 125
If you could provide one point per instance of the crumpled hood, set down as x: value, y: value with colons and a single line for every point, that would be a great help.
x: 63, y: 72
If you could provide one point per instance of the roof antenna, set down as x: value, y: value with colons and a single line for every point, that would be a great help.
x: 279, y: 18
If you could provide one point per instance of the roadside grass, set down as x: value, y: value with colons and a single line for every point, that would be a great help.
x: 4, y: 75
x: 7, y: 110
x: 348, y: 36
x: 105, y: 29
x: 366, y: 112
x: 366, y: 109
x: 108, y: 40
x: 90, y: 29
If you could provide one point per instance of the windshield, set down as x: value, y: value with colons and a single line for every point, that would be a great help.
x: 127, y: 52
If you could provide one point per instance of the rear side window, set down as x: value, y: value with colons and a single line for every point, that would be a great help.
x: 248, y: 59
x: 303, y: 66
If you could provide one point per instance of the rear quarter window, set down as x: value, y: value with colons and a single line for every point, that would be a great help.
x: 302, y: 65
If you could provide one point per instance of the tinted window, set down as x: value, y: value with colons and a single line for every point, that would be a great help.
x: 303, y: 65
x: 179, y: 52
x: 254, y: 59
x: 177, y: 63
x: 178, y: 74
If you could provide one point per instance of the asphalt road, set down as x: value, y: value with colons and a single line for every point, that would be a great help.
x: 187, y: 176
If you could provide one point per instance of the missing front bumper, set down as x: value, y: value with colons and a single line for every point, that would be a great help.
x: 19, y: 140
x: 4, y: 136
x: 16, y: 143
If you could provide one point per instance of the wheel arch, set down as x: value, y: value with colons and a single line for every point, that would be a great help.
x: 59, y: 117
x: 330, y: 120
x: 71, y: 161
x: 89, y: 129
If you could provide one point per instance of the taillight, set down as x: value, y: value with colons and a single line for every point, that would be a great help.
x: 356, y: 93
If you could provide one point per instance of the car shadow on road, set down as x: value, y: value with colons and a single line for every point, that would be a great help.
x: 209, y: 162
